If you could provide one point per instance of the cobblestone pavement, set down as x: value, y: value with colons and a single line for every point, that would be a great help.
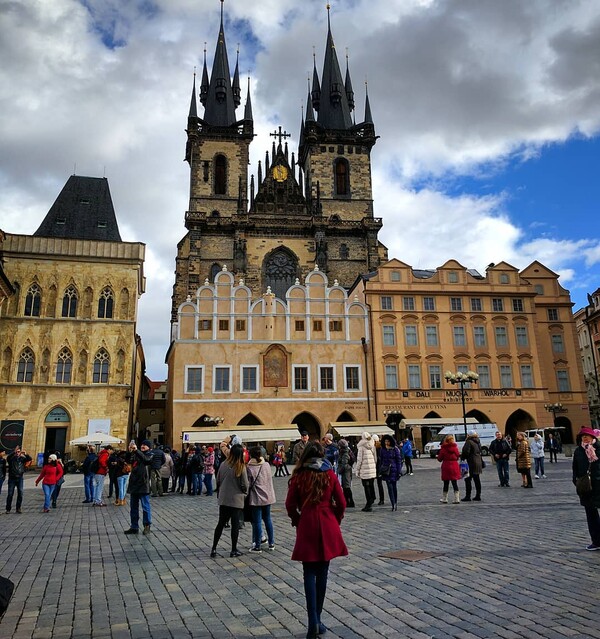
x: 513, y: 566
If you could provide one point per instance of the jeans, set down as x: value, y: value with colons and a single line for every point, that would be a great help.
x: 48, y: 489
x: 88, y: 484
x: 196, y: 483
x: 539, y: 466
x: 56, y: 492
x: 208, y: 482
x: 134, y: 510
x: 261, y: 513
x: 315, y: 587
x: 392, y: 487
x: 98, y: 488
x: 12, y: 484
x: 122, y: 485
x: 502, y: 468
x: 593, y: 521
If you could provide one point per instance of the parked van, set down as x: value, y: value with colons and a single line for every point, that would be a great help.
x: 486, y: 432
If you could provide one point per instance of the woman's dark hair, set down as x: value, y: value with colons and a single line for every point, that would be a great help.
x: 388, y: 438
x: 311, y: 450
x: 236, y: 459
x: 256, y: 452
x: 312, y: 483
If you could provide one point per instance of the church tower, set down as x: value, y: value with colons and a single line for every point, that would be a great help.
x: 316, y: 211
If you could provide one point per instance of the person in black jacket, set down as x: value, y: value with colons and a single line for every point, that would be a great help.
x: 500, y: 450
x: 16, y: 462
x: 2, y: 468
x: 158, y: 459
x: 88, y: 474
x: 586, y: 458
x: 139, y: 486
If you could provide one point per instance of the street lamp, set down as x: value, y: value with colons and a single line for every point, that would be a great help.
x: 554, y: 408
x: 470, y: 377
x: 213, y: 420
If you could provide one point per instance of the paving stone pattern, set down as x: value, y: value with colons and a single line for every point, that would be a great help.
x: 511, y: 567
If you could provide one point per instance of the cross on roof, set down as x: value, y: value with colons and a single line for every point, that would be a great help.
x: 280, y: 134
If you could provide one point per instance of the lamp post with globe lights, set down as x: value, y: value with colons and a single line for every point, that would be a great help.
x: 470, y: 377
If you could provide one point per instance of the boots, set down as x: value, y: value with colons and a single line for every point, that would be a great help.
x: 456, y: 497
x: 444, y: 498
x: 117, y: 502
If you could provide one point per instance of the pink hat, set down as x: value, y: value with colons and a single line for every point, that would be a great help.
x: 586, y: 430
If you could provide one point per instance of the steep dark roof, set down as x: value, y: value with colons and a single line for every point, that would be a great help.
x: 83, y: 211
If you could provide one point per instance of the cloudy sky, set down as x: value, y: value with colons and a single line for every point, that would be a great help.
x: 488, y: 113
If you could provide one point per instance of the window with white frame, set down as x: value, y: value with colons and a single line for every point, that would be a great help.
x: 221, y: 379
x: 463, y: 368
x: 476, y: 304
x: 518, y: 306
x: 562, y: 379
x: 414, y: 376
x: 501, y: 336
x: 389, y: 335
x: 391, y: 376
x: 386, y: 303
x: 431, y: 335
x: 553, y: 315
x: 479, y: 336
x: 410, y: 335
x: 526, y: 376
x: 497, y: 305
x: 351, y: 378
x: 558, y: 345
x: 326, y: 378
x: 483, y: 370
x: 429, y: 303
x: 456, y: 304
x: 453, y: 277
x: 301, y: 377
x: 521, y: 335
x: 435, y: 376
x: 459, y: 336
x: 506, y: 380
x: 249, y: 379
x: 194, y: 379
x: 408, y: 303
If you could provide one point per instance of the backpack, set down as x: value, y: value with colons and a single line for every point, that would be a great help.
x: 95, y: 466
x: 351, y: 457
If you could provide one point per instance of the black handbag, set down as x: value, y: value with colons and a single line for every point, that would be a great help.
x: 583, y: 484
x: 6, y: 591
x: 385, y: 469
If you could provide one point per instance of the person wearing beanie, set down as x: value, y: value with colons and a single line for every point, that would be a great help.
x: 586, y: 464
x: 366, y: 468
x: 139, y: 486
x: 52, y: 471
x: 471, y: 452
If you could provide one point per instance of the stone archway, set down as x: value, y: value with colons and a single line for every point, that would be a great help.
x: 309, y: 423
x: 520, y: 420
x: 345, y: 417
x: 482, y: 418
x: 250, y: 419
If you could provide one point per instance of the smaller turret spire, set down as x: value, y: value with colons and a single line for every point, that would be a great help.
x: 205, y: 84
x: 248, y: 107
x: 348, y: 85
x: 193, y: 110
x: 368, y: 116
x: 237, y: 93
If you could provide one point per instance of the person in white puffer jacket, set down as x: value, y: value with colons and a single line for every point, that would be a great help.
x: 537, y: 452
x: 366, y: 468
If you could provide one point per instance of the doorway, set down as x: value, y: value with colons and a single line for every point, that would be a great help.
x: 56, y: 439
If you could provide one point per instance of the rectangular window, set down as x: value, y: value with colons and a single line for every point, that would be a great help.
x: 462, y: 368
x: 526, y: 376
x: 558, y: 345
x: 521, y: 335
x: 408, y: 303
x: 429, y: 303
x: 299, y: 325
x: 63, y: 371
x: 483, y: 370
x: 476, y: 304
x: 453, y: 277
x: 223, y: 325
x: 431, y: 335
x: 386, y: 303
x: 391, y: 376
x: 222, y: 379
x: 335, y: 326
x: 317, y: 325
x: 553, y: 315
x: 301, y: 381
x: 456, y: 303
x: 414, y: 376
x: 249, y: 379
x: 435, y: 376
x: 459, y: 336
x: 518, y: 306
x: 205, y: 325
x: 240, y: 325
x: 326, y: 378
x: 194, y: 379
x: 389, y: 335
x: 501, y: 336
x: 479, y: 336
x: 562, y: 378
x: 410, y: 335
x: 497, y: 305
x: 506, y: 376
x: 352, y: 378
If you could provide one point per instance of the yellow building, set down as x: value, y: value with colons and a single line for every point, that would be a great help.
x: 514, y: 329
x: 70, y: 358
x: 238, y: 362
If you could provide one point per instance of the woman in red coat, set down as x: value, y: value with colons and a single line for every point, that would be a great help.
x: 449, y: 456
x: 51, y: 473
x: 315, y: 503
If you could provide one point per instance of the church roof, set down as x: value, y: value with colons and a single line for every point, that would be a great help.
x: 83, y: 211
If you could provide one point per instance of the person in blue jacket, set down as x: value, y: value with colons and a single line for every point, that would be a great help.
x: 390, y: 467
x: 407, y: 451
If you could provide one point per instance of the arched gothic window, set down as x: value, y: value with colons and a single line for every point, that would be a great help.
x: 101, y: 367
x: 105, y: 304
x: 280, y: 272
x: 32, y: 301
x: 220, y: 175
x: 25, y: 366
x: 342, y: 177
x: 215, y: 269
x: 69, y: 305
x: 64, y: 366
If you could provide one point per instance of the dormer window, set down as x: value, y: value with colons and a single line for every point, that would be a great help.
x: 84, y: 200
x: 102, y: 224
x: 61, y: 221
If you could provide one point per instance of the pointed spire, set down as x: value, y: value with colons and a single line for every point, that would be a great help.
x: 348, y: 85
x: 368, y: 116
x: 193, y: 110
x: 205, y: 84
x: 260, y: 178
x: 237, y: 92
x: 310, y: 115
x: 316, y: 87
x: 248, y: 107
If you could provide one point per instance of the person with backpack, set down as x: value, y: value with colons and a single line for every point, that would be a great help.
x: 88, y: 474
x: 346, y: 460
x: 197, y: 469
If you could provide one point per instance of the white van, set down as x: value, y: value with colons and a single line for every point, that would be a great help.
x: 486, y: 432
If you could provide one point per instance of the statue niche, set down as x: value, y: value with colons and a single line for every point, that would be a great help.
x: 275, y: 367
x: 281, y: 271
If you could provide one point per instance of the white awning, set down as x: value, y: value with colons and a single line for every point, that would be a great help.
x: 435, y: 421
x: 259, y: 434
x: 356, y: 429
